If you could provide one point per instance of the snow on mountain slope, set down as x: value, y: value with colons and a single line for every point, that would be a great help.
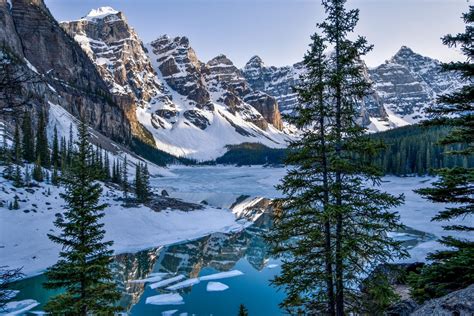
x: 65, y: 123
x: 205, y: 115
x: 403, y: 88
x: 186, y: 107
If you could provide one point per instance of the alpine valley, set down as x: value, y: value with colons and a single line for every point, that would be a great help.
x: 172, y: 166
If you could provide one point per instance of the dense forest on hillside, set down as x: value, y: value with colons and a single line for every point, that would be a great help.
x: 415, y: 150
x: 408, y: 150
x: 252, y: 154
x: 157, y: 156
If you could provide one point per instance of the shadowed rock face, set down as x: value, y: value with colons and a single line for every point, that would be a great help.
x: 120, y: 58
x: 409, y: 82
x: 74, y: 83
x: 118, y: 54
x: 181, y: 68
x: 278, y: 82
x: 223, y: 74
x: 217, y: 81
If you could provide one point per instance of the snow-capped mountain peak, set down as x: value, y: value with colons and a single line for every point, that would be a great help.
x: 100, y: 13
x: 254, y: 62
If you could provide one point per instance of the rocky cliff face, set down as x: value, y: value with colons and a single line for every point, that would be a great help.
x: 402, y: 88
x: 211, y: 100
x: 120, y: 58
x: 222, y: 75
x: 180, y: 68
x: 65, y: 75
x: 409, y: 82
x: 275, y: 81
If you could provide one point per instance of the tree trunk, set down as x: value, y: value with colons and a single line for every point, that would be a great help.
x: 327, y: 224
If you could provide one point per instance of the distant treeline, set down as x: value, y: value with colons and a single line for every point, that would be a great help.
x: 251, y: 154
x: 408, y: 150
x: 415, y: 149
x: 157, y: 156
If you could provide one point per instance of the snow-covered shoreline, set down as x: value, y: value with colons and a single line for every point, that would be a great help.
x: 23, y: 233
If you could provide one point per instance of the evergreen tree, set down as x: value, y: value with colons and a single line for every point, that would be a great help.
x: 146, y: 189
x: 142, y: 183
x: 138, y: 182
x: 83, y: 268
x: 106, y: 166
x: 28, y: 138
x: 17, y: 178
x: 453, y: 269
x: 55, y: 161
x: 243, y: 310
x: 16, y: 204
x: 42, y: 150
x: 38, y: 174
x: 17, y: 150
x: 8, y: 162
x: 70, y: 144
x: 124, y: 178
x: 331, y: 227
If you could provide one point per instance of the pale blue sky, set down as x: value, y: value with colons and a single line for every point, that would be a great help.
x: 279, y: 30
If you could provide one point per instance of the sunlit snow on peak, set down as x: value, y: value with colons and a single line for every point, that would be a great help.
x: 101, y: 12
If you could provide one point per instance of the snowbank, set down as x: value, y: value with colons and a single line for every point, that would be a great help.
x: 23, y: 233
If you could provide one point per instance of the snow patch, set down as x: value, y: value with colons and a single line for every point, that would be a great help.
x: 100, y: 13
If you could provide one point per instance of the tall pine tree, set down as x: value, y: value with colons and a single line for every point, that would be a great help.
x: 55, y: 161
x: 42, y: 149
x: 331, y: 227
x: 17, y: 151
x: 124, y: 178
x: 28, y: 138
x: 453, y: 269
x: 83, y: 268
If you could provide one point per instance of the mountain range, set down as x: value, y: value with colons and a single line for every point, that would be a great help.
x: 162, y: 94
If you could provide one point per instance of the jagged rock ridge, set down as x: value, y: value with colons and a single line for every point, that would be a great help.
x: 120, y: 58
x: 402, y: 87
x: 176, y: 100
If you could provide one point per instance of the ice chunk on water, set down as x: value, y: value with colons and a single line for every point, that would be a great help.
x: 166, y: 282
x: 221, y: 275
x: 272, y: 266
x: 165, y: 299
x: 19, y: 307
x: 10, y: 294
x: 169, y: 313
x: 153, y: 277
x: 216, y: 287
x: 183, y: 284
